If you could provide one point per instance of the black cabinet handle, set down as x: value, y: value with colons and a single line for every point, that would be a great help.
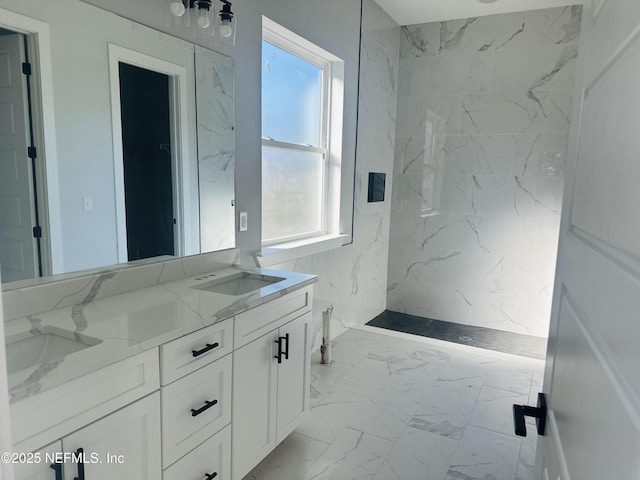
x: 206, y: 406
x: 57, y: 467
x: 282, y: 352
x: 80, y: 456
x: 539, y: 413
x: 286, y: 352
x: 210, y: 346
x: 210, y: 476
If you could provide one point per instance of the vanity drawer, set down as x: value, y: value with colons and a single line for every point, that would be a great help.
x: 189, y: 416
x: 258, y: 321
x: 191, y: 352
x: 213, y: 456
x: 54, y: 413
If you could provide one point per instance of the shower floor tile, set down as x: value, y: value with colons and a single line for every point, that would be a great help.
x: 480, y: 337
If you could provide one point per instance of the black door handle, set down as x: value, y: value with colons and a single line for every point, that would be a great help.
x: 197, y: 353
x: 207, y: 405
x: 211, y: 476
x: 80, y: 456
x: 539, y: 413
x: 57, y: 467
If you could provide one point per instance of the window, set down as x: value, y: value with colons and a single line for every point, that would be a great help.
x: 300, y: 151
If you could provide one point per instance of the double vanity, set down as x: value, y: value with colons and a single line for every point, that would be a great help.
x: 198, y: 378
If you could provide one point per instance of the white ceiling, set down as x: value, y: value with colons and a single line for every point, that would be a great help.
x: 410, y: 12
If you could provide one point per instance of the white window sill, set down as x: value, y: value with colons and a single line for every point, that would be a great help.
x: 284, y: 252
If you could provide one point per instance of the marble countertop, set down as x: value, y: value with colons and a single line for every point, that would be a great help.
x: 133, y: 322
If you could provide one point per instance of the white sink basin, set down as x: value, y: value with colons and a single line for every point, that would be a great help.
x: 238, y: 284
x: 27, y: 350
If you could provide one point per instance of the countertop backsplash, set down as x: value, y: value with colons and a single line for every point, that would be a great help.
x: 82, y: 289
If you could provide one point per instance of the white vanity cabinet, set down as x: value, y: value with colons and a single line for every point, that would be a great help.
x: 123, y: 445
x: 271, y: 377
x: 196, y: 404
x: 208, y: 405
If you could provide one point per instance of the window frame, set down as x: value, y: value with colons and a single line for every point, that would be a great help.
x: 331, y: 127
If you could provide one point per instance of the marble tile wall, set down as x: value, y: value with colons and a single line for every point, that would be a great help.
x: 353, y: 278
x: 483, y: 117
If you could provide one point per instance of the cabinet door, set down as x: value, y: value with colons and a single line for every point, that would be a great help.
x: 294, y: 376
x: 254, y: 404
x: 41, y: 469
x: 124, y: 445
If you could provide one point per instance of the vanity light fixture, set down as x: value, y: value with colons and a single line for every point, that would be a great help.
x: 202, y: 17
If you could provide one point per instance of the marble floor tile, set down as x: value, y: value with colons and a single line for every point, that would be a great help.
x: 513, y: 377
x: 391, y: 408
x: 353, y: 455
x: 484, y: 455
x: 462, y: 376
x: 527, y: 457
x: 418, y: 455
x: 442, y: 411
x: 324, y: 377
x: 290, y: 460
x: 341, y: 409
x: 494, y: 410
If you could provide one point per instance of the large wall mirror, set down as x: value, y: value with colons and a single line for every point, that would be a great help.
x: 133, y: 136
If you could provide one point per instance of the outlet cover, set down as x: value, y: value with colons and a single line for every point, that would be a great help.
x: 242, y: 223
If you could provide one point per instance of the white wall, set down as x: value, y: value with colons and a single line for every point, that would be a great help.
x: 82, y: 106
x: 483, y: 118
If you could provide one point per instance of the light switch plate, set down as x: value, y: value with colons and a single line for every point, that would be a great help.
x: 242, y: 224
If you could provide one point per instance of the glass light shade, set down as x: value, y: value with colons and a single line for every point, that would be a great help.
x: 226, y: 30
x: 177, y: 8
x: 204, y: 20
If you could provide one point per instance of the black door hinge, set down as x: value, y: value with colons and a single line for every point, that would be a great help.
x: 32, y: 153
x: 26, y: 68
x: 37, y: 232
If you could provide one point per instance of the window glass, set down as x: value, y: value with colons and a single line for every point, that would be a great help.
x: 292, y: 192
x: 291, y: 98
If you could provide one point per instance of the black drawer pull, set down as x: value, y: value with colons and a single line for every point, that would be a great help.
x: 211, y: 476
x: 210, y: 346
x: 57, y: 467
x: 80, y: 455
x: 206, y: 406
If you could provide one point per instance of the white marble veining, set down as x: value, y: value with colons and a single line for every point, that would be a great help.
x: 133, y: 322
x: 216, y: 149
x: 483, y: 116
x: 392, y: 408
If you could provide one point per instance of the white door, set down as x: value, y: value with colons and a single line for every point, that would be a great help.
x: 17, y: 245
x: 294, y: 376
x: 124, y: 445
x: 591, y: 377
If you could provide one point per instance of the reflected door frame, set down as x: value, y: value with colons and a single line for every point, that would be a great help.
x: 178, y: 82
x: 43, y: 125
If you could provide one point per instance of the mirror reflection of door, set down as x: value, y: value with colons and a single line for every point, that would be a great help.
x: 20, y: 233
x: 145, y: 100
